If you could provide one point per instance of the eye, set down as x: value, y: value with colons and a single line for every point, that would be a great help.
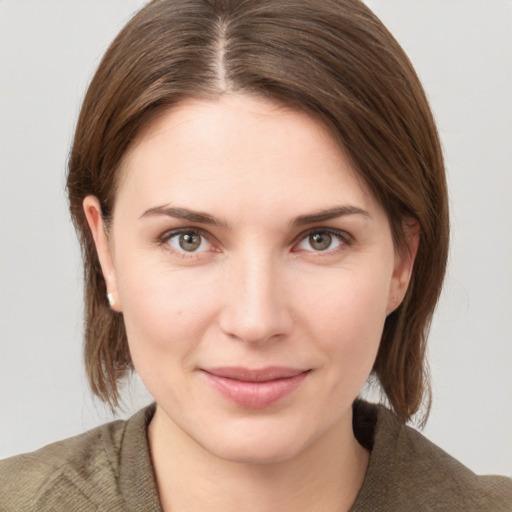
x: 187, y: 241
x: 322, y: 241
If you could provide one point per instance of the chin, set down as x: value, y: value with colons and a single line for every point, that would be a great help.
x: 263, y: 442
x: 255, y: 453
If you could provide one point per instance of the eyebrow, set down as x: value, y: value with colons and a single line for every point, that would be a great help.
x: 204, y: 218
x: 184, y: 213
x: 331, y: 213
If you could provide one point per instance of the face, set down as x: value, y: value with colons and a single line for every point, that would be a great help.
x: 254, y: 272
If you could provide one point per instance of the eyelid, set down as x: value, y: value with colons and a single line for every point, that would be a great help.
x: 171, y: 233
x: 346, y: 238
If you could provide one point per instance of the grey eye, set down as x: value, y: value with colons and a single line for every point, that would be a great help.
x: 320, y: 241
x: 189, y: 241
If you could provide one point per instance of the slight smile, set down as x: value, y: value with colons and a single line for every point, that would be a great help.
x: 255, y: 389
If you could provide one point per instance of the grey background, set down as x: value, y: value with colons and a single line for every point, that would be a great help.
x: 462, y: 51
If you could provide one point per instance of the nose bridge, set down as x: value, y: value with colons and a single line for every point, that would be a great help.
x: 256, y: 309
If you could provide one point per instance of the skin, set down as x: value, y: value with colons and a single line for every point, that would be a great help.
x: 258, y: 291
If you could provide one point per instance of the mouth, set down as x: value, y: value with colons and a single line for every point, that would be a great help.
x: 255, y: 388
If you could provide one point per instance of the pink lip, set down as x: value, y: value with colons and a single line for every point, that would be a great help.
x: 255, y: 389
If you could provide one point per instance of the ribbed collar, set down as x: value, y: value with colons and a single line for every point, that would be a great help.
x: 136, y: 477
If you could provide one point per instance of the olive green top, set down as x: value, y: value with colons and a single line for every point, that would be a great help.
x: 109, y: 469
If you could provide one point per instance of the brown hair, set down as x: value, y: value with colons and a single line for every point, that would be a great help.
x: 332, y: 59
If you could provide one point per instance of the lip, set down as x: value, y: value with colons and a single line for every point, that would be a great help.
x: 255, y: 388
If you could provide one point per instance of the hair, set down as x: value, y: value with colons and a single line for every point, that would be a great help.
x: 335, y: 61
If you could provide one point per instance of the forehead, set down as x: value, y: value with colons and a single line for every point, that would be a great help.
x: 241, y: 149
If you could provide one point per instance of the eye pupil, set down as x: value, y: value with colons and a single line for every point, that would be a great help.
x: 189, y: 241
x: 320, y: 241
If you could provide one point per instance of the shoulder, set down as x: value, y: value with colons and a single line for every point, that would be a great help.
x: 79, y: 473
x: 412, y: 473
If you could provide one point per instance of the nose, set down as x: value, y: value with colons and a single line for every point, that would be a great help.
x: 255, y: 308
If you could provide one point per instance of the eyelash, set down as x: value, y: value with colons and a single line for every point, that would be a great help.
x: 343, y: 237
x: 168, y: 235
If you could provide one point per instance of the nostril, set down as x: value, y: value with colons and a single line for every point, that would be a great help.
x: 255, y: 323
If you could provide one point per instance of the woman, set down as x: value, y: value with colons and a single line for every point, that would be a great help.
x: 260, y: 195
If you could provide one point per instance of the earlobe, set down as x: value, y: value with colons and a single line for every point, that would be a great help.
x: 404, y: 264
x: 92, y: 210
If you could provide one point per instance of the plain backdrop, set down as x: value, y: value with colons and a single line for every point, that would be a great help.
x: 462, y: 50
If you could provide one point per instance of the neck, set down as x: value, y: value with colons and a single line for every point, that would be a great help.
x: 325, y: 476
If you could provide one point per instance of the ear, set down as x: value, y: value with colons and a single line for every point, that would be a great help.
x: 404, y: 263
x: 92, y: 210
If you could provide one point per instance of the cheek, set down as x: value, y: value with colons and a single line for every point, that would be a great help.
x: 165, y: 311
x: 348, y: 317
x: 351, y: 299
